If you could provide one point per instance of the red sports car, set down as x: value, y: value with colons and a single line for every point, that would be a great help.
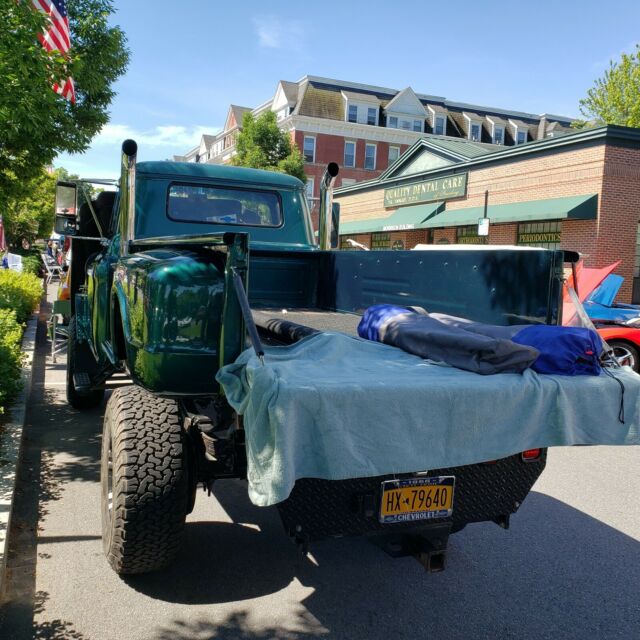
x: 625, y: 342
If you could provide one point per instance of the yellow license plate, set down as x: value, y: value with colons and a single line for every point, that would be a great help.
x: 417, y: 499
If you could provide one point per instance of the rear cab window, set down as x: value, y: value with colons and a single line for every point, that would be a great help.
x: 208, y: 204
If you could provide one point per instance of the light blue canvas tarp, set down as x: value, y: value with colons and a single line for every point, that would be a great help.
x: 337, y: 407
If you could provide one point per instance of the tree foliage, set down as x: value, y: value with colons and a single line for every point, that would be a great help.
x: 615, y: 98
x: 262, y: 145
x: 29, y: 209
x: 35, y: 123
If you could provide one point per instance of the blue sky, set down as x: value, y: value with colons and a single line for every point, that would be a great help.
x: 190, y: 59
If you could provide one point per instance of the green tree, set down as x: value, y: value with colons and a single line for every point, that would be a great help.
x: 615, y: 98
x: 262, y: 145
x: 35, y: 123
x: 29, y: 209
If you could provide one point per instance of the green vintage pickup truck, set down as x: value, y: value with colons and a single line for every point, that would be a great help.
x: 181, y: 267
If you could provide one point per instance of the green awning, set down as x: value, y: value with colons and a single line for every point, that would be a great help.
x: 403, y: 219
x: 573, y: 208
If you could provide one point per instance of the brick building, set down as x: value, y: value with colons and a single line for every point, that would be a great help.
x: 365, y: 128
x: 580, y: 191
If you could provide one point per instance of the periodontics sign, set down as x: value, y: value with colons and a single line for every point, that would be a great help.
x: 427, y: 191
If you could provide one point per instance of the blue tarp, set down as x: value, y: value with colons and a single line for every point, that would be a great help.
x: 337, y: 407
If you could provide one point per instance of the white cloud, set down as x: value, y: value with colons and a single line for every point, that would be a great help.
x: 275, y: 33
x: 175, y: 136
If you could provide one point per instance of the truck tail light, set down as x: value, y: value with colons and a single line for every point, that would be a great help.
x: 531, y: 455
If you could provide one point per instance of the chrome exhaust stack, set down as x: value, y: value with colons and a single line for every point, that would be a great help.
x: 128, y: 194
x: 326, y: 201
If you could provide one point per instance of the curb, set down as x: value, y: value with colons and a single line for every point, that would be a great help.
x: 11, y: 441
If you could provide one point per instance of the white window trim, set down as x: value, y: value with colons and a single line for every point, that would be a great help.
x: 310, y: 186
x: 389, y: 160
x: 362, y: 112
x: 375, y: 156
x: 314, y: 147
x: 520, y: 130
x: 471, y: 124
x: 436, y: 117
x: 344, y: 154
x: 493, y: 133
x: 349, y: 105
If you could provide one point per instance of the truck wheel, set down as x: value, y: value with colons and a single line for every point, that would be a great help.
x: 75, y: 398
x: 144, y: 481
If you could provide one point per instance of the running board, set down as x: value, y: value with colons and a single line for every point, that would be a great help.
x: 81, y: 382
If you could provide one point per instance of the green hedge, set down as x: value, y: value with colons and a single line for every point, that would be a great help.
x: 10, y: 356
x: 20, y: 292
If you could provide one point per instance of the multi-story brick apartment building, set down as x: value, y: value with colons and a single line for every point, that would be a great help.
x: 365, y: 128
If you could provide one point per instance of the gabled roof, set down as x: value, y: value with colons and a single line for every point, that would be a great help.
x: 234, y: 115
x: 290, y: 90
x: 406, y: 101
x: 447, y: 150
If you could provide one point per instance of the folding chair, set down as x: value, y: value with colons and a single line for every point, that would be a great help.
x: 59, y: 334
x: 52, y: 268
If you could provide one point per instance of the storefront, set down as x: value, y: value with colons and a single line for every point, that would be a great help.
x: 580, y: 191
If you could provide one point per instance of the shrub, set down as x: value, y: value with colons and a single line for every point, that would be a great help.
x: 31, y: 264
x: 10, y: 357
x: 20, y: 292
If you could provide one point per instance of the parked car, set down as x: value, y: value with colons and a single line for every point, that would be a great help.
x: 601, y: 308
x: 625, y: 342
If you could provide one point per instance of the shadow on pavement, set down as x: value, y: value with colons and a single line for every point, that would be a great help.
x: 558, y: 573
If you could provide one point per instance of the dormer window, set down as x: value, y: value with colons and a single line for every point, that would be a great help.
x: 353, y: 113
x: 521, y: 137
x: 417, y: 125
x: 440, y: 128
x: 392, y: 122
x: 498, y: 135
x: 475, y: 131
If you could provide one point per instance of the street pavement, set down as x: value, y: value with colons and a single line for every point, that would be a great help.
x: 569, y: 567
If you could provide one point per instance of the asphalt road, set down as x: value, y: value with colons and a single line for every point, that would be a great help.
x: 569, y: 567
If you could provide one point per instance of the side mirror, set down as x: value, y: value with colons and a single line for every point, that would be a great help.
x: 65, y: 225
x: 66, y: 208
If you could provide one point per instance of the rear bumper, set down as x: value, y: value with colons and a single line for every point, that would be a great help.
x: 318, y: 509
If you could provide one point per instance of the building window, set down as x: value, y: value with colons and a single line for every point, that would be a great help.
x: 370, y: 156
x: 309, y: 188
x: 405, y: 124
x: 521, y: 137
x: 349, y: 154
x: 372, y: 115
x: 498, y: 135
x: 394, y: 154
x: 392, y: 122
x: 353, y: 113
x: 417, y: 125
x: 476, y: 129
x: 309, y: 149
x: 540, y: 234
x: 348, y: 181
x: 441, y: 126
x: 380, y: 241
x: 469, y: 235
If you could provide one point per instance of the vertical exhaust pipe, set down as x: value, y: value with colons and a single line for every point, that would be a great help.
x: 326, y: 200
x: 128, y: 193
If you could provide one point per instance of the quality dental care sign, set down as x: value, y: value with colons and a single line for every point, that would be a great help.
x: 438, y: 189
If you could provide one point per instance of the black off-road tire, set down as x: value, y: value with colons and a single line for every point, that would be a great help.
x: 144, y: 479
x: 76, y: 399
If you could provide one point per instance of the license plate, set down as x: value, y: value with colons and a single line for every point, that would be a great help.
x: 417, y: 499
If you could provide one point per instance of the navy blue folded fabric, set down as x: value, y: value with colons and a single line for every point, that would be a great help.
x: 485, y: 348
x: 567, y: 351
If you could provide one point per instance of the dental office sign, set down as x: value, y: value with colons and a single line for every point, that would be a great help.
x: 428, y: 191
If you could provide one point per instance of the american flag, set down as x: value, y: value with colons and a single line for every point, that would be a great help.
x: 56, y: 38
